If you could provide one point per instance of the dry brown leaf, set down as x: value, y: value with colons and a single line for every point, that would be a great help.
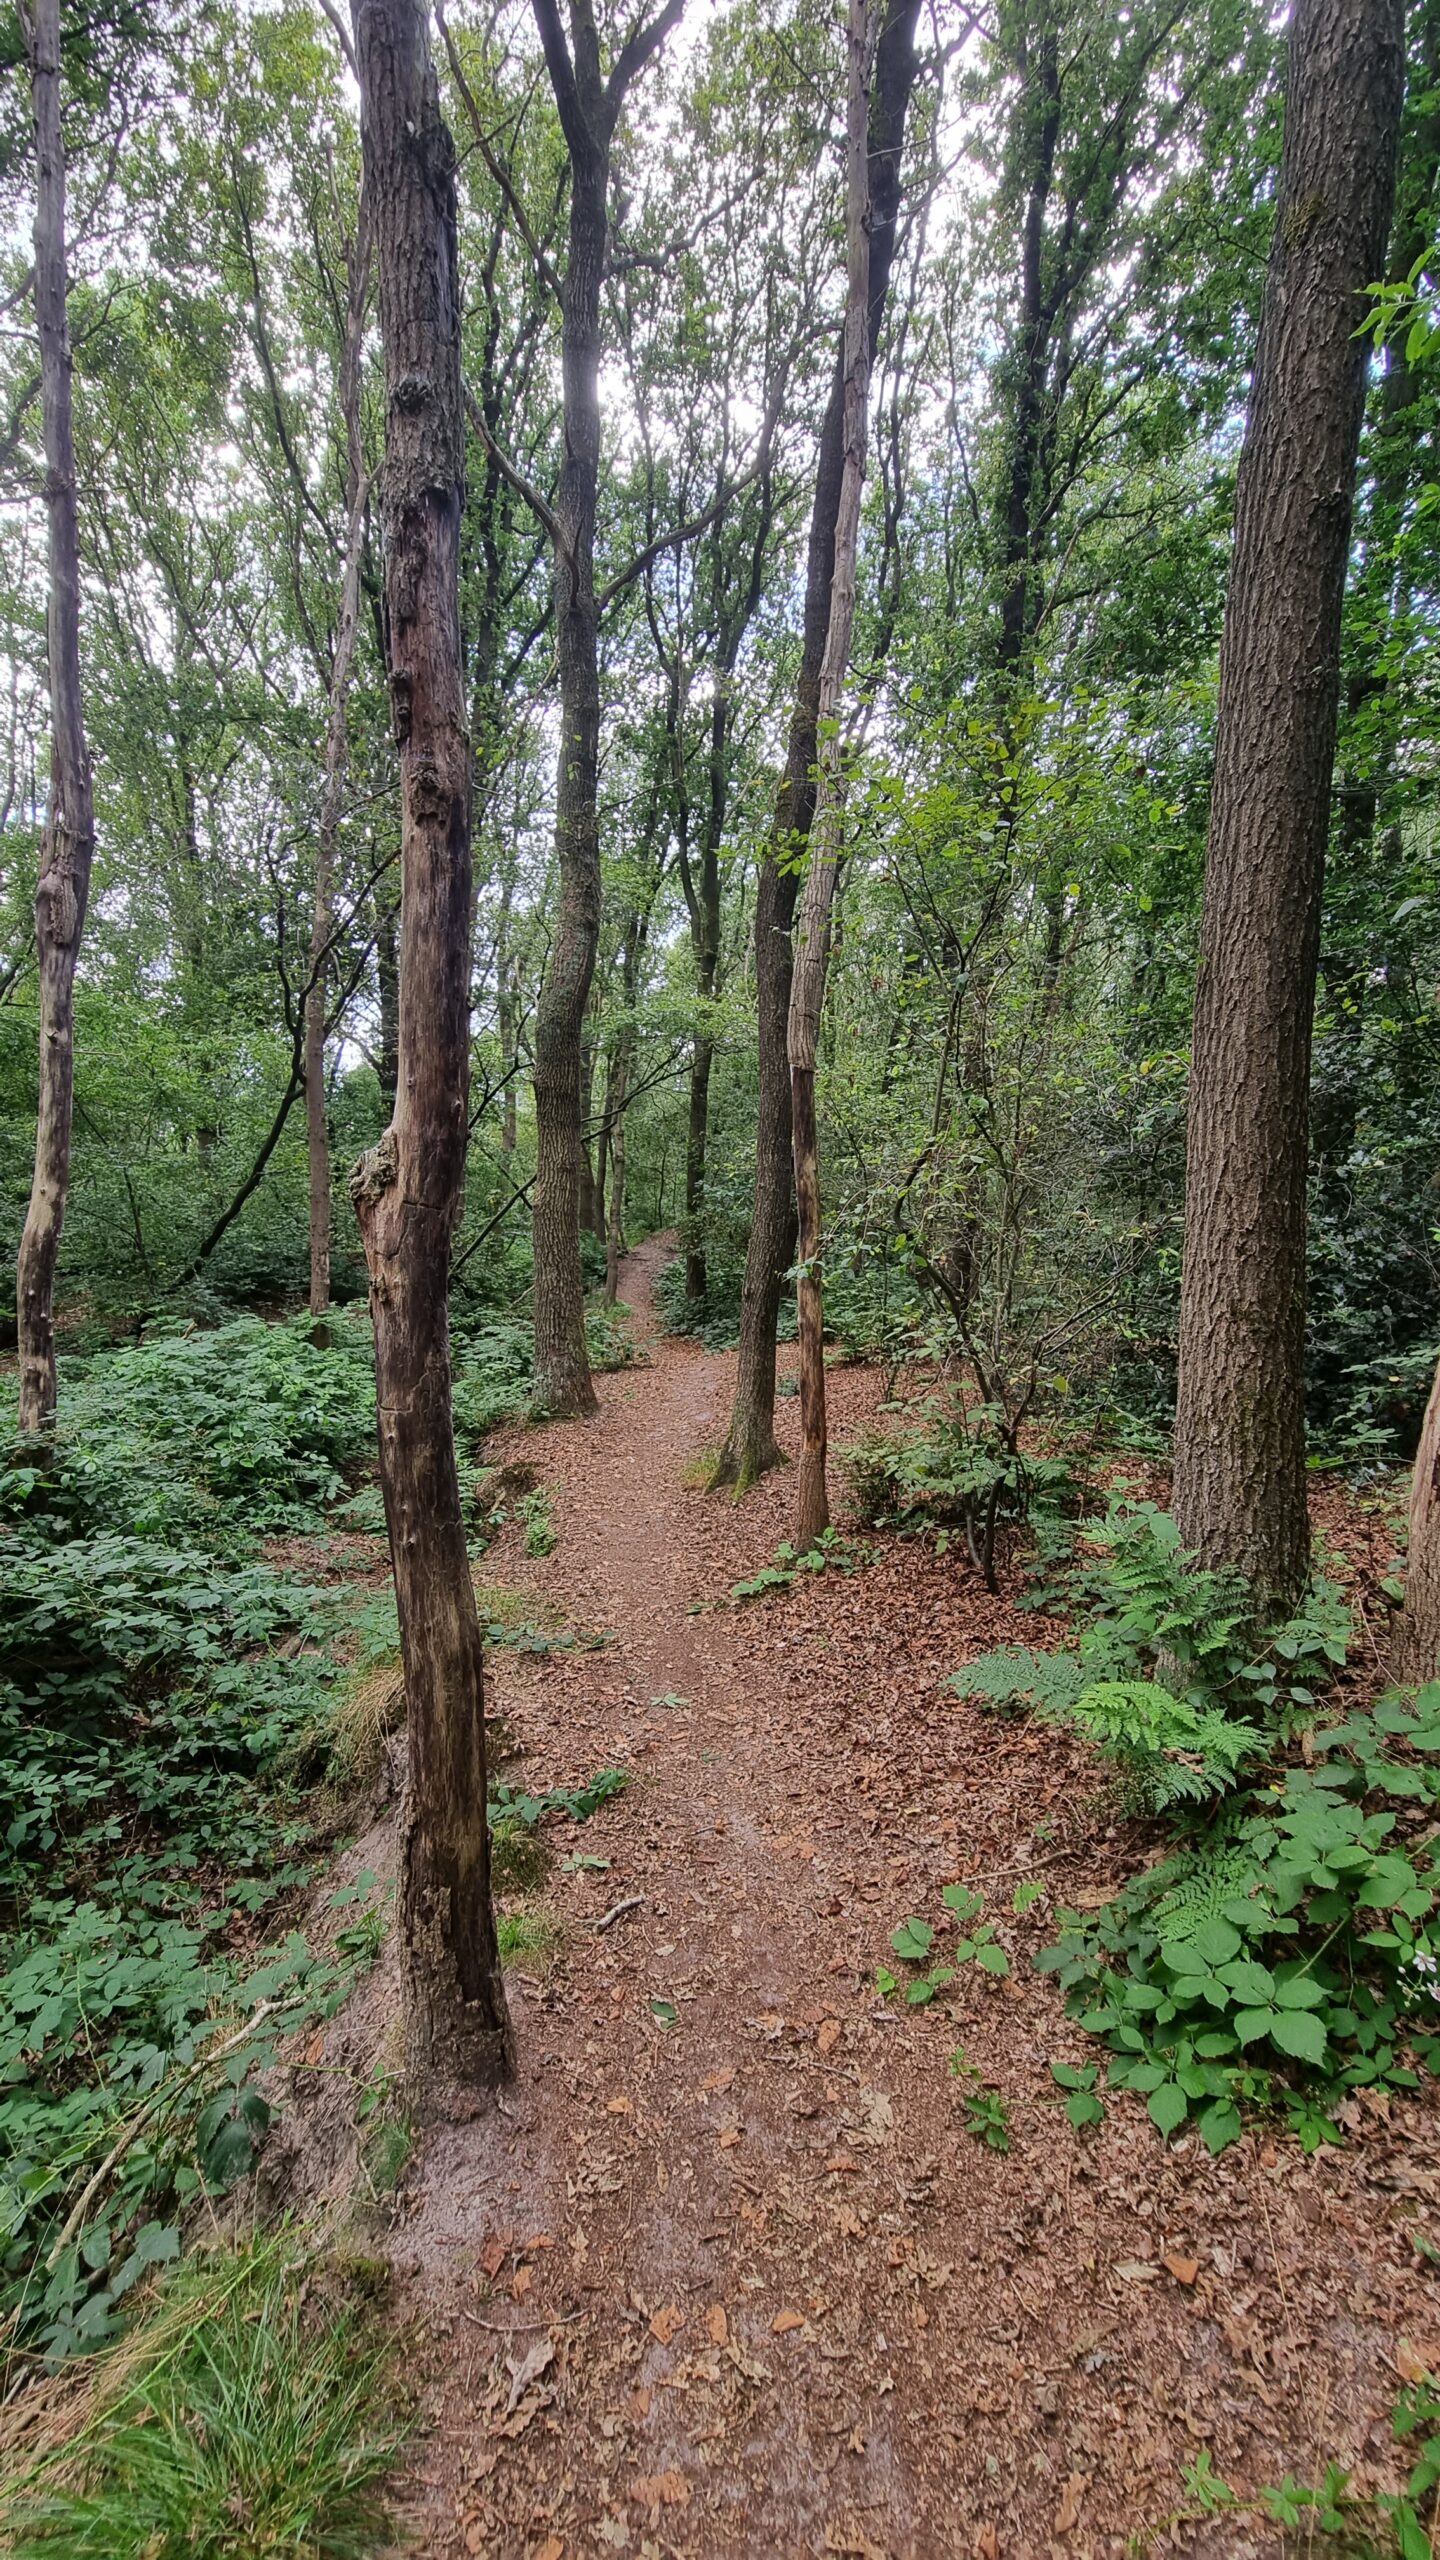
x: 839, y: 2165
x: 730, y: 2136
x: 640, y: 2400
x: 664, y: 2489
x: 527, y: 2369
x: 787, y: 2320
x: 827, y: 2034
x: 848, y: 2223
x: 552, y: 2548
x: 717, y: 2325
x: 715, y: 2081
x: 1067, y: 2514
x: 520, y: 2283
x: 1184, y: 2270
x: 987, y: 2543
x: 1410, y: 2364
x: 667, y: 2323
x: 619, y: 2106
x: 1136, y: 2271
x: 494, y: 2255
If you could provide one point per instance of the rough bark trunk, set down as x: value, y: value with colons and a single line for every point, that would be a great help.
x: 807, y: 992
x: 347, y: 627
x: 750, y: 1445
x: 615, y: 1121
x: 1239, y: 1431
x: 387, y: 987
x: 588, y: 106
x: 408, y: 1192
x: 63, y: 888
x: 1417, y: 1633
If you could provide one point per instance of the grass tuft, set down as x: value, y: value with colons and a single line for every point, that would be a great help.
x: 249, y: 2416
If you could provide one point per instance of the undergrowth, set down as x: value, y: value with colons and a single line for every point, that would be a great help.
x: 254, y: 2412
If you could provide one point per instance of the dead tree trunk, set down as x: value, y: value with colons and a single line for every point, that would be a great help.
x: 750, y: 1444
x: 1239, y: 1428
x: 589, y: 106
x: 1417, y: 1648
x: 807, y: 993
x: 347, y: 626
x: 68, y: 847
x: 408, y: 1191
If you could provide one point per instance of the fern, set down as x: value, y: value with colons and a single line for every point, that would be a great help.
x: 1172, y: 1752
x: 1050, y: 1682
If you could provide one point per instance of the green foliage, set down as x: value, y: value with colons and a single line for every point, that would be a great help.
x: 252, y: 2413
x: 541, y: 1535
x: 1286, y: 1961
x: 987, y: 2118
x: 831, y: 1553
x: 914, y: 1939
x: 1388, y: 2527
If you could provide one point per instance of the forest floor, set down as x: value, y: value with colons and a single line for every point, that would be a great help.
x: 726, y: 2272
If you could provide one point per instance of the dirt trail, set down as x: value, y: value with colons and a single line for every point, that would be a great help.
x: 776, y: 2299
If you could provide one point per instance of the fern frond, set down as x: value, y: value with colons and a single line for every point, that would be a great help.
x: 1051, y: 1682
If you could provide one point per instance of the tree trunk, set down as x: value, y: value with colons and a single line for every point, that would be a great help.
x: 387, y: 987
x: 702, y: 1055
x: 588, y: 107
x: 807, y: 992
x: 408, y: 1191
x: 615, y: 1121
x: 1239, y: 1430
x: 750, y: 1445
x: 332, y: 800
x: 67, y: 851
x: 1417, y: 1633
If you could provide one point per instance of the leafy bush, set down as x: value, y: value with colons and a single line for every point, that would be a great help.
x: 252, y: 2414
x: 1286, y: 1960
x: 962, y: 1470
x: 243, y: 1430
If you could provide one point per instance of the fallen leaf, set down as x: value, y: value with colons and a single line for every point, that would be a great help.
x: 839, y: 2164
x: 1067, y: 2514
x: 786, y: 2320
x: 1136, y: 2271
x: 1184, y: 2270
x: 714, y: 2081
x: 552, y: 2548
x: 640, y: 2400
x: 667, y: 2323
x: 1410, y: 2364
x: 848, y: 2223
x: 528, y: 2370
x: 619, y: 2106
x: 717, y: 2324
x: 520, y: 2283
x: 315, y: 2047
x: 827, y: 2034
x: 666, y: 2489
x: 987, y: 2543
x: 494, y: 2255
x: 730, y: 2136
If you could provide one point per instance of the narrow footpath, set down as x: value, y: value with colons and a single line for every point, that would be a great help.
x: 730, y: 2271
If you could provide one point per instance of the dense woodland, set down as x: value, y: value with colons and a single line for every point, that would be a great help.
x: 809, y: 631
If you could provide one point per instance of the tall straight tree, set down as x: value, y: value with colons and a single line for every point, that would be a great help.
x: 1240, y: 1427
x: 812, y: 942
x: 63, y: 889
x: 589, y: 105
x: 408, y: 1191
x: 750, y: 1443
x: 332, y: 796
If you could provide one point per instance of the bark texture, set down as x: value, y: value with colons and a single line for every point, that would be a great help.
x: 1238, y: 1488
x: 750, y: 1445
x: 1239, y: 1430
x: 588, y: 105
x: 807, y: 991
x: 408, y: 1191
x: 68, y: 846
x: 332, y: 797
x: 1417, y: 1646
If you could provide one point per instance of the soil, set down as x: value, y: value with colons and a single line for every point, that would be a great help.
x: 726, y: 2272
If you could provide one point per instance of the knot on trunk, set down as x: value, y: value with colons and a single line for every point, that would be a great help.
x: 374, y: 1173
x: 413, y: 393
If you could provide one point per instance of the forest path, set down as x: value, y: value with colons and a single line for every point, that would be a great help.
x: 776, y: 2299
